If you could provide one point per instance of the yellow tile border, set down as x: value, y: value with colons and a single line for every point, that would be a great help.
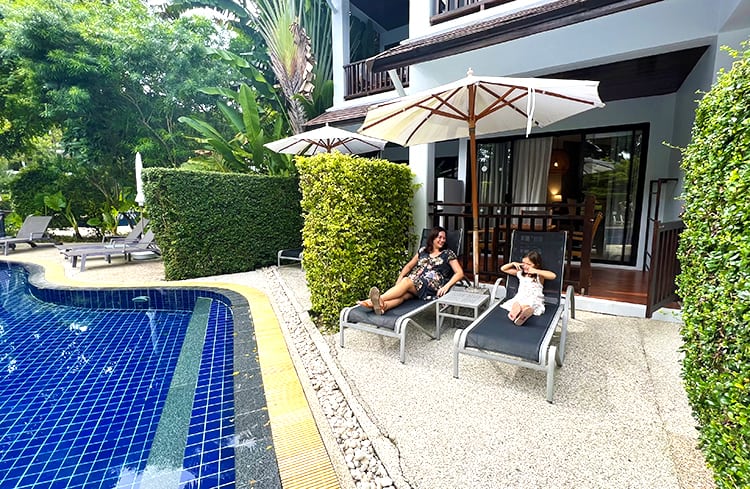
x: 301, y: 456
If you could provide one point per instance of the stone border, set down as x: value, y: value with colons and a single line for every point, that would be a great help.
x: 364, y: 451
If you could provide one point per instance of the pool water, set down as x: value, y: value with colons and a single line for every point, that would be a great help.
x: 126, y: 389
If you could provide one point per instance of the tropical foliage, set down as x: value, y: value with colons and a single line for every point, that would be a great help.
x: 86, y: 84
x: 715, y: 280
x: 297, y: 36
x: 244, y: 153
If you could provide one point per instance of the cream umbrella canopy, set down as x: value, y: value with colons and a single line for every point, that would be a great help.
x: 475, y: 106
x: 325, y: 140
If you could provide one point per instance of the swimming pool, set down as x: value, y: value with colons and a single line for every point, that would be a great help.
x: 128, y: 388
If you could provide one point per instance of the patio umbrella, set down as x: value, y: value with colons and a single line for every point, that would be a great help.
x: 475, y: 106
x: 325, y: 140
x: 139, y: 197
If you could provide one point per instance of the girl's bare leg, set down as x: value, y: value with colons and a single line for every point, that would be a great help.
x: 515, y: 310
x: 526, y: 313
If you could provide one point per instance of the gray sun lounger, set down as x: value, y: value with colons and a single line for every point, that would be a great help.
x: 292, y: 254
x: 33, y: 230
x: 394, y: 322
x: 494, y: 337
x: 146, y: 243
x: 133, y: 237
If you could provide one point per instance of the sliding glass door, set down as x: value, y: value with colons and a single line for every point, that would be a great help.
x: 608, y: 164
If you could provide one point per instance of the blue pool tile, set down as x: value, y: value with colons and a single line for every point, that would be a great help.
x: 95, y: 377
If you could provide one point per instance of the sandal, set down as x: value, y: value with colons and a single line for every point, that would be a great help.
x: 375, y: 299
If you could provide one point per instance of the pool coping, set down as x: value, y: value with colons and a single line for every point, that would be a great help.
x: 301, y: 454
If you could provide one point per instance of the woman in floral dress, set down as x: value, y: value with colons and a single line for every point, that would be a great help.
x: 430, y: 273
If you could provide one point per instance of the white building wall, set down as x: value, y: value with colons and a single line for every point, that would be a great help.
x: 661, y: 27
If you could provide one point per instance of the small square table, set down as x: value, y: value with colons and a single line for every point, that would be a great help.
x: 450, y: 305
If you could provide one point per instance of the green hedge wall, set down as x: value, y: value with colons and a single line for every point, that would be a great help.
x: 715, y: 280
x: 210, y: 223
x: 358, y: 219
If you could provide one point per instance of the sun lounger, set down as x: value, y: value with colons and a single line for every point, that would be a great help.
x: 494, y: 337
x: 292, y: 254
x: 145, y: 244
x: 33, y: 230
x: 394, y: 322
x: 132, y: 237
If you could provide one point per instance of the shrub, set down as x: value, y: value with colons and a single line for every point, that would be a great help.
x: 209, y: 223
x: 356, y: 233
x: 715, y: 280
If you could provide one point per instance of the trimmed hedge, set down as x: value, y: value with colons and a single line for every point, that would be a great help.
x: 209, y: 223
x: 715, y: 280
x: 356, y: 234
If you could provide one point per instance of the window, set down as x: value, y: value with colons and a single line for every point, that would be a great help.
x: 606, y: 163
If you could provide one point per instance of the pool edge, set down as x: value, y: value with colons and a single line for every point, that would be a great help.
x: 301, y: 454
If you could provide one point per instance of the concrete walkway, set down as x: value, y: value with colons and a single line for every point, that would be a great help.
x: 620, y: 417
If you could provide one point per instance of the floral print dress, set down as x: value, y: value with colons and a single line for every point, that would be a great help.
x: 431, y: 272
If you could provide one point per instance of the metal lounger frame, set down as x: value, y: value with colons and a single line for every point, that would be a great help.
x: 548, y: 357
x: 395, y: 327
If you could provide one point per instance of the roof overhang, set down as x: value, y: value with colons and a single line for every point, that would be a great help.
x: 516, y: 25
x: 647, y: 76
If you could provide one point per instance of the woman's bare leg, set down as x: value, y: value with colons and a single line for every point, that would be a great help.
x: 391, y: 303
x: 404, y: 289
x: 396, y: 295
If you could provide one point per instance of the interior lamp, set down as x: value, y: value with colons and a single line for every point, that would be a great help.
x: 559, y: 160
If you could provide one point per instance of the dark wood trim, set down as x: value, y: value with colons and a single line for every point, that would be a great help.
x: 452, y: 12
x: 503, y: 29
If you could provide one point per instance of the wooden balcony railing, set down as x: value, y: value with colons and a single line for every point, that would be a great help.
x: 444, y: 10
x: 496, y: 221
x: 360, y: 81
x: 664, y: 266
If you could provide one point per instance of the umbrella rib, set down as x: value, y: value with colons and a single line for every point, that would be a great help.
x: 458, y: 115
x: 420, y: 104
x: 501, y: 103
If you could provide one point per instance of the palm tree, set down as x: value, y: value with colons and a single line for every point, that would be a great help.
x: 297, y: 34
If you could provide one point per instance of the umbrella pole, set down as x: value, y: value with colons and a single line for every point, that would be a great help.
x: 474, y: 202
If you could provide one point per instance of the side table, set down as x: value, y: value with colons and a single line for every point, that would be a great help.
x: 450, y: 305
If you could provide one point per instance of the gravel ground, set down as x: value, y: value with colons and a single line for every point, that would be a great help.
x: 620, y: 417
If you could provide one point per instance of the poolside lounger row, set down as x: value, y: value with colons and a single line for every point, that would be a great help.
x: 145, y: 244
x: 492, y: 335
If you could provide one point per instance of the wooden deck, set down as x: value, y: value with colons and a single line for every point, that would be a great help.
x: 619, y: 285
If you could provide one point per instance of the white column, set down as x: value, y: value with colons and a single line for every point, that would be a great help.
x: 340, y: 49
x: 422, y: 165
x: 419, y: 17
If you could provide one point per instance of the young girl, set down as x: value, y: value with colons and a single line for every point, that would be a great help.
x: 530, y: 297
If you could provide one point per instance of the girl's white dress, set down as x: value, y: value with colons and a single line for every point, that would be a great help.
x: 530, y: 293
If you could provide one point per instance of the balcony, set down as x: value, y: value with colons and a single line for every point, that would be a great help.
x: 360, y: 81
x: 445, y: 10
